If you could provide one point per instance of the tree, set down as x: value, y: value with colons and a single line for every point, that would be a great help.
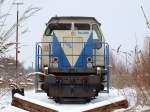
x: 7, y: 68
x: 7, y: 32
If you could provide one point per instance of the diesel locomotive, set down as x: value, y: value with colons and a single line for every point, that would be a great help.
x: 74, y: 58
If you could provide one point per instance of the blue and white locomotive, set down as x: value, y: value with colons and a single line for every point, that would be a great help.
x: 74, y: 57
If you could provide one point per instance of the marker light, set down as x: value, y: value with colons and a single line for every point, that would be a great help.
x: 46, y: 68
x: 98, y: 70
x: 55, y: 59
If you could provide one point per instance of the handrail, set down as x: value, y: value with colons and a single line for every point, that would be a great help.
x: 39, y: 54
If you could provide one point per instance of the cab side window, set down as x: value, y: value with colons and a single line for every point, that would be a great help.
x: 96, y: 32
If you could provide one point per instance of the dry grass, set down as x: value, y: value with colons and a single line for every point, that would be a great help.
x: 135, y: 74
x: 23, y: 81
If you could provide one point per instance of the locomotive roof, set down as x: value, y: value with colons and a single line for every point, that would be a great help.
x: 73, y: 18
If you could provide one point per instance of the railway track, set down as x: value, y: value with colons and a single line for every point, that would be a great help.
x: 34, y: 105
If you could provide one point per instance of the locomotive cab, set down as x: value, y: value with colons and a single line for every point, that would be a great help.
x: 75, y: 58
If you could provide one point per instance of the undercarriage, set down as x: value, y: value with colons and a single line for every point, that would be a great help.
x: 75, y: 89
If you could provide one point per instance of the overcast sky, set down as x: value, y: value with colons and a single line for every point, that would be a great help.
x: 122, y: 21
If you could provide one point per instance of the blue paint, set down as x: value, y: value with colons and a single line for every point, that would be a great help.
x: 36, y: 60
x: 58, y: 52
x: 107, y: 65
x: 86, y: 52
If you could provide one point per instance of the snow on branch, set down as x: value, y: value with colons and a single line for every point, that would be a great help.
x: 2, y: 16
x: 29, y: 12
x: 35, y: 73
x: 6, y: 34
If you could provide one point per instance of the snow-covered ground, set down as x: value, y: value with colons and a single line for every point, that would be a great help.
x: 5, y: 101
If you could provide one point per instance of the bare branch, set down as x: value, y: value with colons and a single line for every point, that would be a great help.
x: 6, y: 34
x: 29, y: 12
x: 5, y: 15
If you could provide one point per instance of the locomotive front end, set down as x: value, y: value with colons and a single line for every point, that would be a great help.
x: 74, y: 57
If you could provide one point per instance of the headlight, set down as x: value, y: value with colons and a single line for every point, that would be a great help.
x: 46, y: 68
x: 99, y: 70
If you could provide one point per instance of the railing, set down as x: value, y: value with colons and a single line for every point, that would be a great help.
x: 107, y: 65
x: 39, y: 55
x: 83, y: 55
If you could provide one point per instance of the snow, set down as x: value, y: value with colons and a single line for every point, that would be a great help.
x: 22, y: 83
x: 29, y: 79
x: 131, y: 95
x: 143, y: 108
x: 102, y: 99
x: 42, y: 99
x: 11, y: 80
x: 2, y: 66
x: 35, y: 73
x: 36, y: 101
x: 5, y: 104
x: 12, y: 109
x: 30, y: 83
x: 1, y: 79
x: 80, y: 107
x: 103, y: 103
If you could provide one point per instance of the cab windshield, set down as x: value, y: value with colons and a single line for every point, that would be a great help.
x: 57, y: 26
x: 81, y: 26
